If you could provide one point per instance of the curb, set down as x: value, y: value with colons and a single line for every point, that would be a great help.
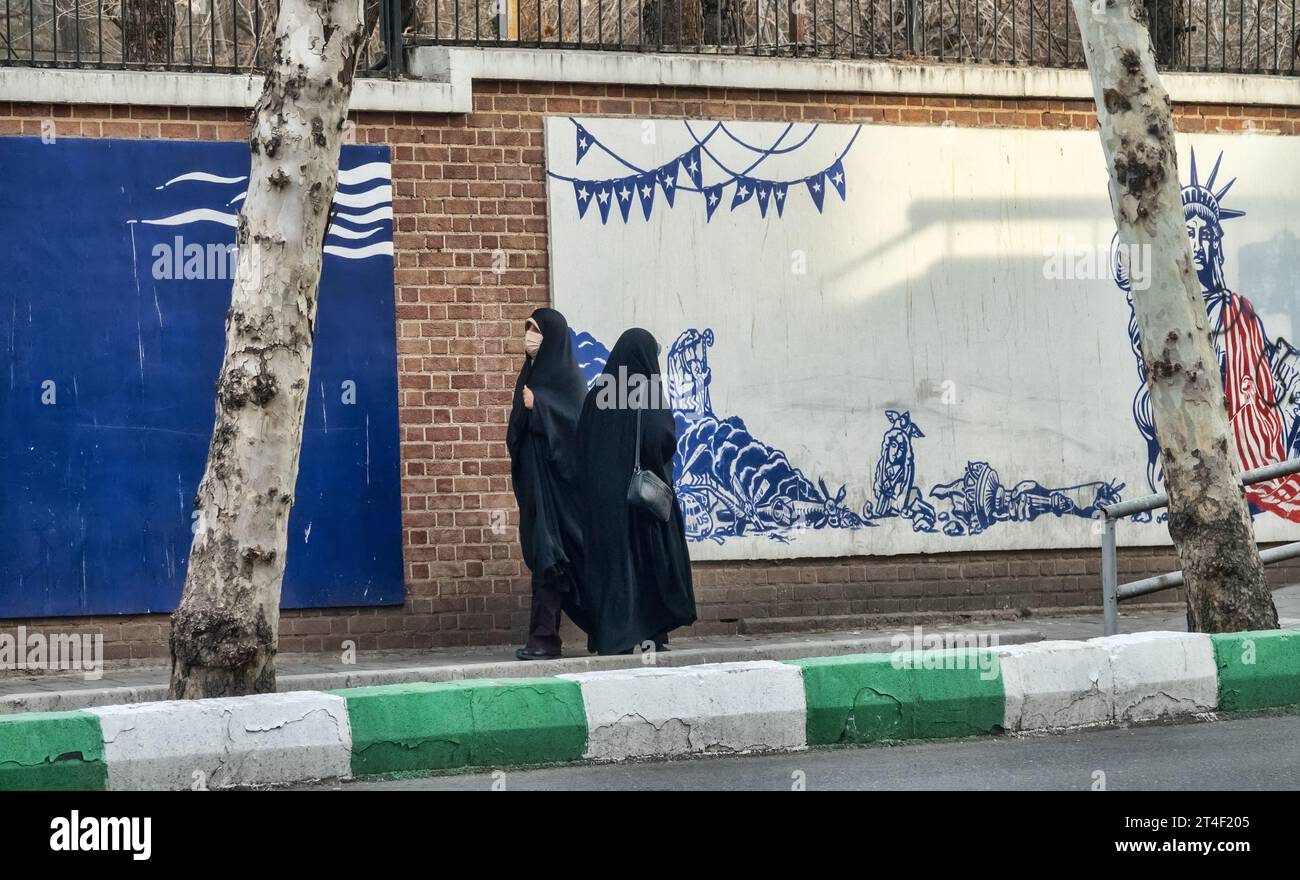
x: 484, y: 723
x: 614, y: 715
x: 52, y: 751
x: 693, y: 710
x: 226, y: 742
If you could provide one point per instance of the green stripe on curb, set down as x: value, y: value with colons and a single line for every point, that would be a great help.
x: 1258, y: 670
x: 484, y: 722
x: 867, y: 697
x: 52, y: 751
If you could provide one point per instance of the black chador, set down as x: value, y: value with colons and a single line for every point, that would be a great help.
x: 542, y: 439
x: 637, y: 583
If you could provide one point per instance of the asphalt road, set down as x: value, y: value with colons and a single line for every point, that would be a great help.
x: 1252, y: 754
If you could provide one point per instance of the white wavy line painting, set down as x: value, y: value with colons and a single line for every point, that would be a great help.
x: 196, y: 215
x: 344, y: 232
x: 371, y: 250
x: 205, y: 177
x: 376, y: 196
x: 347, y: 176
x: 364, y: 199
x: 363, y: 173
x: 379, y: 195
x: 385, y: 213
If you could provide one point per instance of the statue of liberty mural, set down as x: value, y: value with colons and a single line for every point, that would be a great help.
x: 1259, y: 374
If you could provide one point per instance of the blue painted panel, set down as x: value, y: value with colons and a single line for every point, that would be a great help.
x: 108, y: 403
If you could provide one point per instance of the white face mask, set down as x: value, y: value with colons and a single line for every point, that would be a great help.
x: 532, y: 342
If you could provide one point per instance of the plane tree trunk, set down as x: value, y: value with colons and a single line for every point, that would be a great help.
x: 1208, y: 518
x: 225, y: 631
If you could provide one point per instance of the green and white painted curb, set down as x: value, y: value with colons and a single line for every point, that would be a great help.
x: 716, y: 708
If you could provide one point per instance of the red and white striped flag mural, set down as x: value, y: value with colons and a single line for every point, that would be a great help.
x: 1253, y: 409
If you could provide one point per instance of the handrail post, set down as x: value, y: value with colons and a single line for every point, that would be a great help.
x: 1109, y: 580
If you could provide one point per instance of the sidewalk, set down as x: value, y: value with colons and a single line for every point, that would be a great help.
x: 302, y: 672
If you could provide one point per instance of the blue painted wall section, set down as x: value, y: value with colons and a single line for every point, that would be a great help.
x: 108, y: 403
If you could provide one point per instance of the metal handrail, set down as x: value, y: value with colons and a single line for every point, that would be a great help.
x: 1113, y: 592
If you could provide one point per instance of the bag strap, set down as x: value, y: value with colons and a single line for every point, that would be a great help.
x: 636, y: 468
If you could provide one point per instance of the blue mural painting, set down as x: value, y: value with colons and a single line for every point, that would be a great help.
x: 699, y: 170
x: 1261, y: 374
x: 730, y: 483
x: 591, y: 355
x: 895, y: 478
x: 979, y: 500
x: 112, y: 317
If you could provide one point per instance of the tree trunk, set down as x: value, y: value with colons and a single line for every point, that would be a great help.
x: 224, y: 633
x: 672, y: 23
x: 1165, y: 20
x: 146, y: 27
x: 1208, y: 519
x: 721, y: 23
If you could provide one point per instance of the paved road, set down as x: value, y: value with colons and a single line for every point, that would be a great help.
x: 1242, y: 754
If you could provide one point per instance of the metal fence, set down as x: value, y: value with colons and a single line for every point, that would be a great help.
x: 1113, y: 592
x: 1259, y: 36
x: 1203, y: 35
x: 227, y: 36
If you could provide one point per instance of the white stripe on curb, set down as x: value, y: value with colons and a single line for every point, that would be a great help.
x: 1158, y: 674
x: 1053, y: 685
x: 261, y: 740
x: 716, y: 708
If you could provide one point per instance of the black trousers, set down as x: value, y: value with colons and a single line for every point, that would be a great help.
x: 544, y: 624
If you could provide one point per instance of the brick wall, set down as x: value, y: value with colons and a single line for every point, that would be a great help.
x: 469, y: 189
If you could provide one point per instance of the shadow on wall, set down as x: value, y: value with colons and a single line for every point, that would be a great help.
x: 1267, y: 275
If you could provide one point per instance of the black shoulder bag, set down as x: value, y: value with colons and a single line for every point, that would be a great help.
x: 647, y: 491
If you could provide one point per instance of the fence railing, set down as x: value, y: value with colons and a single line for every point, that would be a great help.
x: 1259, y: 36
x: 1202, y: 35
x: 225, y: 36
x: 1113, y: 592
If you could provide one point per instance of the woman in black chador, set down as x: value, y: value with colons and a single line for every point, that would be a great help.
x: 542, y: 438
x: 637, y: 582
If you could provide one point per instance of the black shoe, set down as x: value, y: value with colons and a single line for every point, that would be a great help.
x: 525, y: 654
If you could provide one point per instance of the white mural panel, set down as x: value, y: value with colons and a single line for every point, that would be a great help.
x: 886, y: 339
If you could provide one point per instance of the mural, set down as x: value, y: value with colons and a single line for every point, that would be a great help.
x: 120, y: 261
x: 1259, y: 372
x: 729, y: 484
x: 905, y: 368
x: 697, y: 162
